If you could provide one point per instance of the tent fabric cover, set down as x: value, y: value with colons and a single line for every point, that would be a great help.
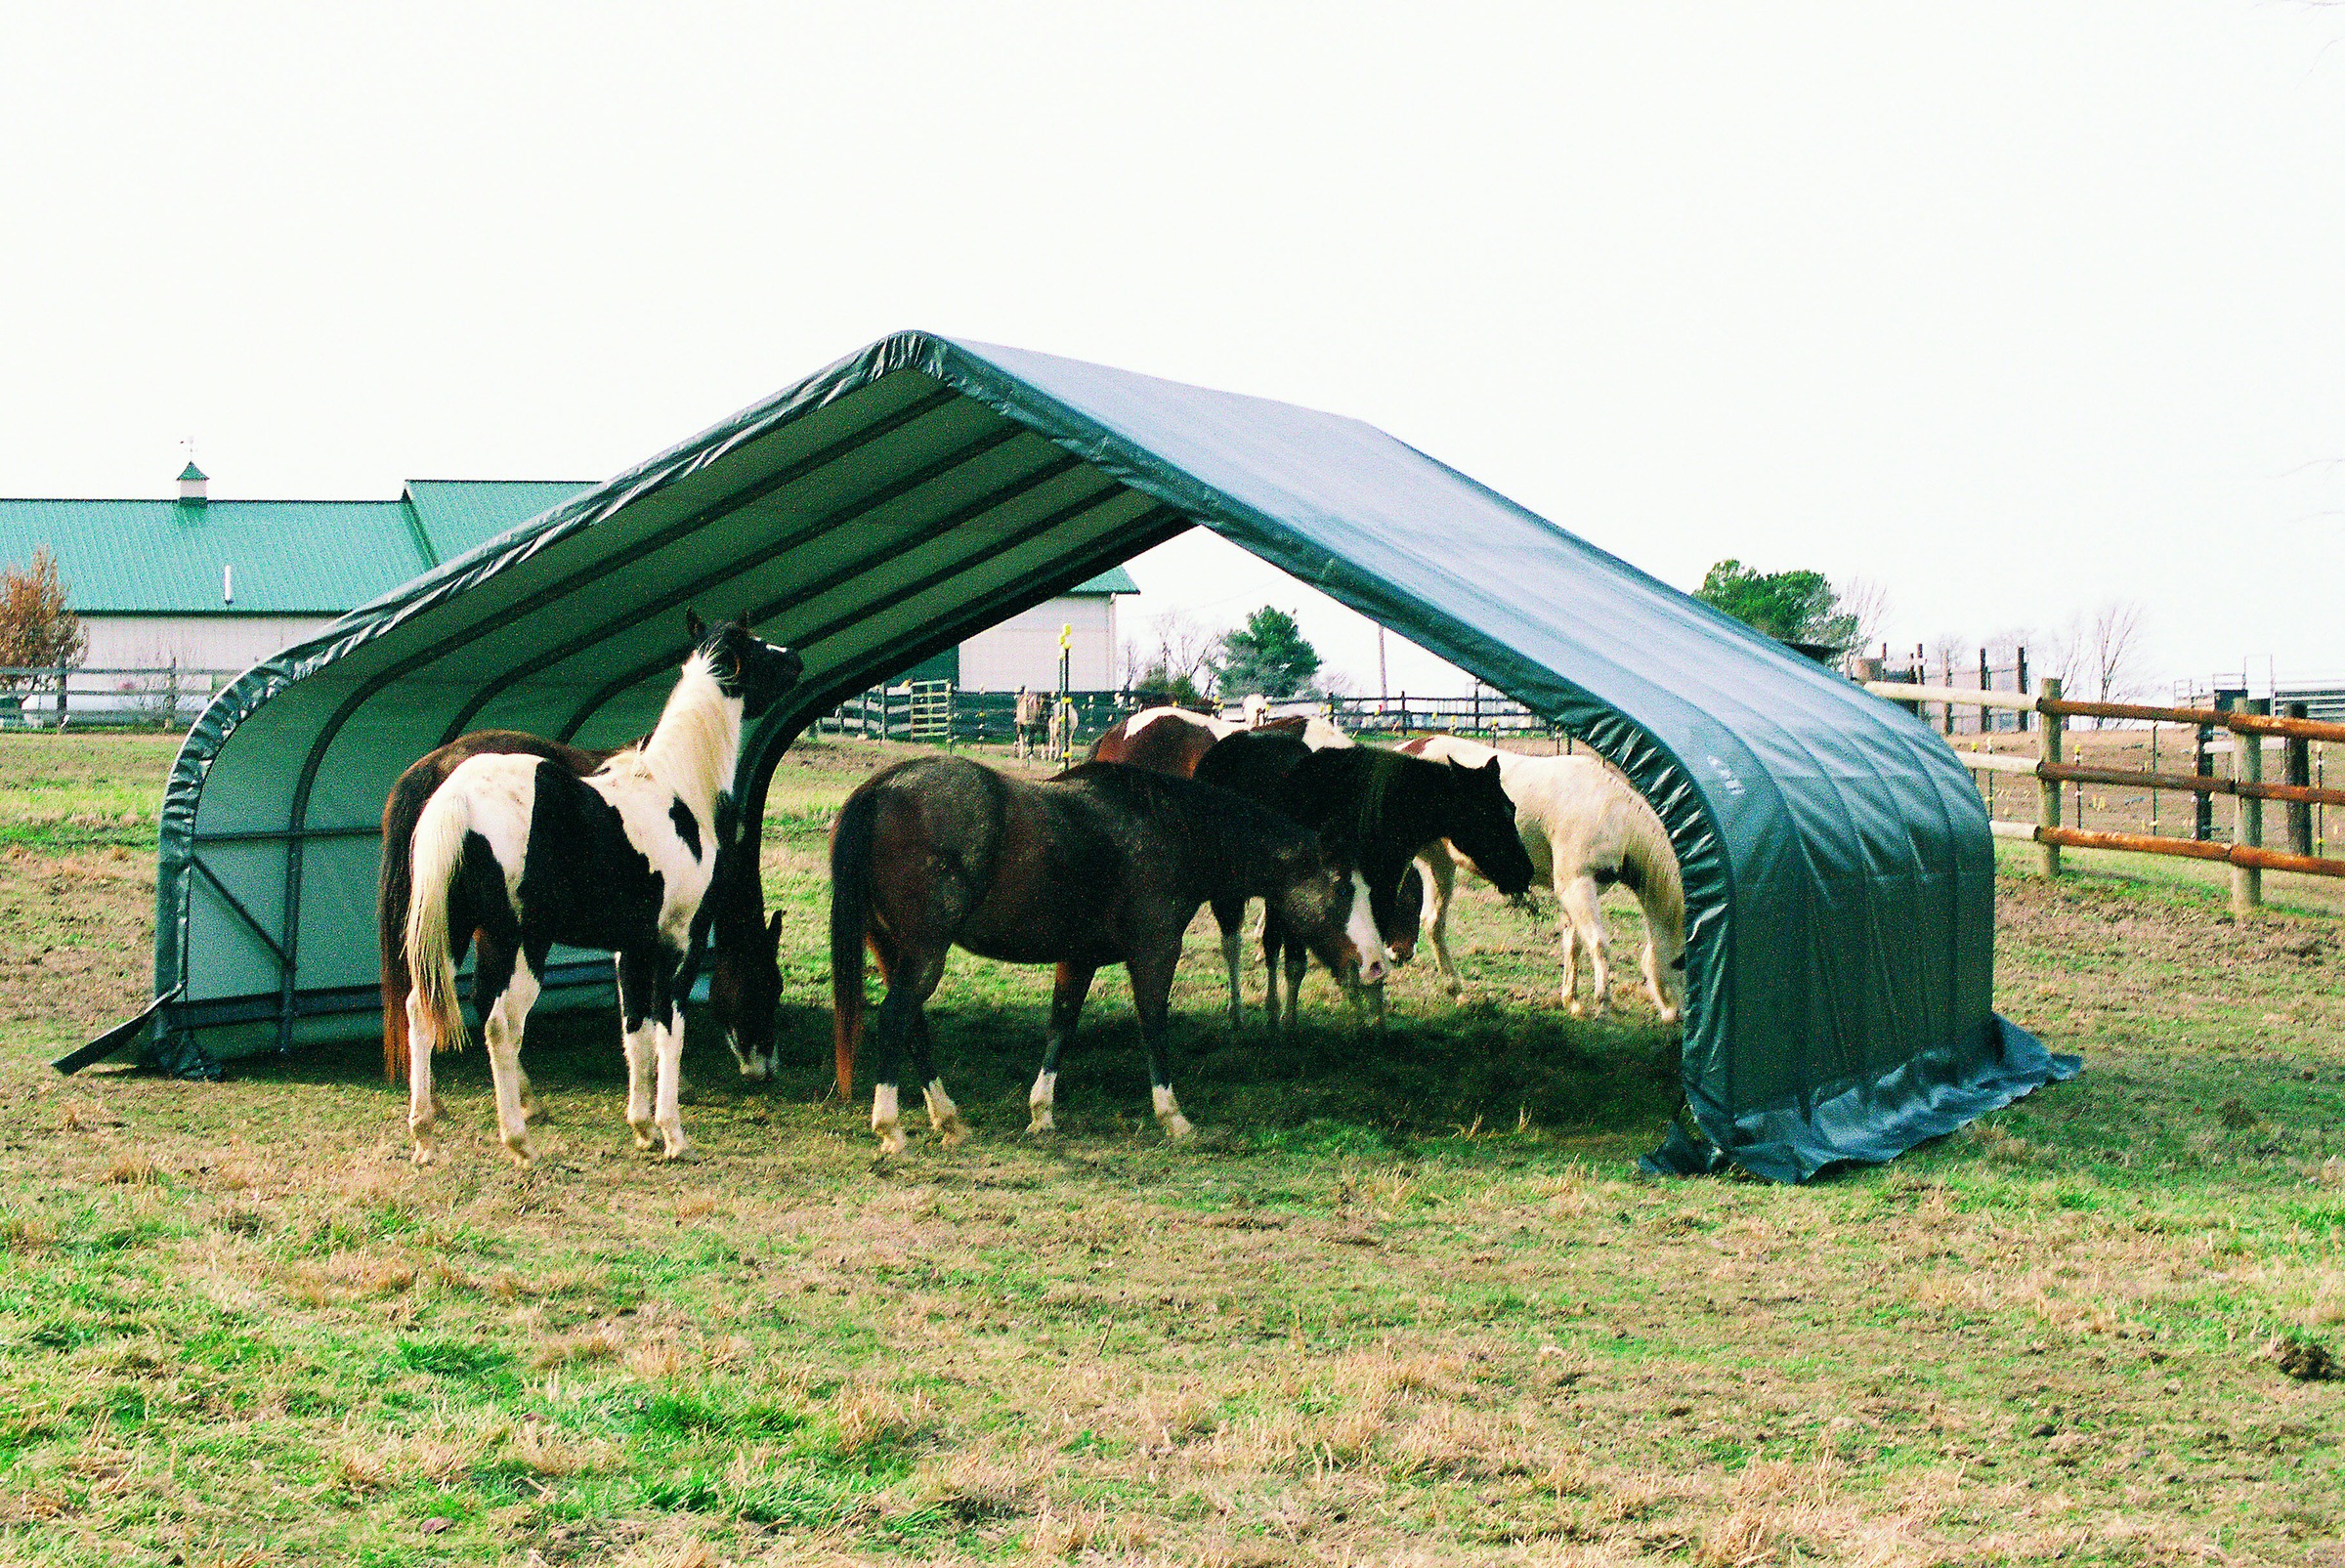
x: 1838, y: 870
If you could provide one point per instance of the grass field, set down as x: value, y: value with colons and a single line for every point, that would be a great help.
x: 1404, y: 1300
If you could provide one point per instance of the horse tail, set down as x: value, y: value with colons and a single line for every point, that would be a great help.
x: 393, y: 888
x: 851, y: 845
x: 437, y: 852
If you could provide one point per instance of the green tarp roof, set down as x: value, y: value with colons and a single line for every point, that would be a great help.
x: 1838, y: 870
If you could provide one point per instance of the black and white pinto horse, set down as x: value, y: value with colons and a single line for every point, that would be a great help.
x: 1102, y: 864
x: 1375, y: 809
x: 526, y: 854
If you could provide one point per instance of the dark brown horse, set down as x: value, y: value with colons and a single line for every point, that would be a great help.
x: 745, y: 978
x: 1102, y: 864
x: 1375, y: 809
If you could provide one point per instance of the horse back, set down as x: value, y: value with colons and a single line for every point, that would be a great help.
x: 1167, y: 741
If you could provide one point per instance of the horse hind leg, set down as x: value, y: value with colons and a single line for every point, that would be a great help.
x: 423, y: 1105
x: 1070, y: 985
x: 944, y: 1116
x: 910, y: 980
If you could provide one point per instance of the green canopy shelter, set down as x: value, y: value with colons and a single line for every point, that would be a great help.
x: 1837, y: 862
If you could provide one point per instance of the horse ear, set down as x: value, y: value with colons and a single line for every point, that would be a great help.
x: 773, y: 929
x: 1491, y: 767
x: 694, y: 624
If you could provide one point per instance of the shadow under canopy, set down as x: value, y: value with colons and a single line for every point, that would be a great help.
x: 1838, y: 870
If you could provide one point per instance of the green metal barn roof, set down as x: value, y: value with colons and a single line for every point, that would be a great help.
x: 290, y: 557
x: 1838, y: 871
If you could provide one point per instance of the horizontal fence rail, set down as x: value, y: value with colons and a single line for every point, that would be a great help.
x: 2248, y: 724
x: 165, y: 697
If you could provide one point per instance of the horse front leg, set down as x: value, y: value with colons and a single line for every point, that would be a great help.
x: 1230, y: 918
x: 1584, y: 921
x: 1070, y: 985
x: 1439, y: 872
x: 1152, y: 998
x: 669, y: 1043
x: 423, y: 1105
x: 639, y: 1036
x: 506, y: 990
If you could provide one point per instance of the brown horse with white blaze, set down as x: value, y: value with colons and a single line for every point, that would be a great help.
x: 1102, y: 864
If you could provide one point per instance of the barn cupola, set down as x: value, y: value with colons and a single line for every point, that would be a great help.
x: 192, y: 483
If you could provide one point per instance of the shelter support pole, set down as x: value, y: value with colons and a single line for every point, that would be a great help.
x: 2247, y: 812
x: 2047, y: 790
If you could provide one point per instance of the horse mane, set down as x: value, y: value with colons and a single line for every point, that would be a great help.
x: 1661, y: 885
x: 695, y: 745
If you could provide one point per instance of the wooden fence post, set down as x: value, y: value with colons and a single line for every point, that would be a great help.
x: 2298, y: 770
x: 2248, y: 813
x: 2019, y: 683
x: 2047, y: 790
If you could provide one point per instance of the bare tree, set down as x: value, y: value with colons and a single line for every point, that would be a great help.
x: 1865, y: 601
x: 1177, y: 654
x: 2112, y: 652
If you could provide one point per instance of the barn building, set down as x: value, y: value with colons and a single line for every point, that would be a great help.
x: 219, y: 586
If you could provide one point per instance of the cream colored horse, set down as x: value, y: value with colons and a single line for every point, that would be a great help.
x: 1585, y: 829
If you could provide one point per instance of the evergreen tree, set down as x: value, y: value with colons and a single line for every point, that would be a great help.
x: 1792, y: 607
x: 1267, y: 654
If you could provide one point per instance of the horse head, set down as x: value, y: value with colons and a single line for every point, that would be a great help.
x: 745, y: 665
x: 1482, y: 826
x: 1325, y: 901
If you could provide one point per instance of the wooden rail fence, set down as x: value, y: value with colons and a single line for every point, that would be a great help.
x: 2251, y: 721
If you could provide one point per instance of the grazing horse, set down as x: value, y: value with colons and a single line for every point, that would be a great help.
x: 1378, y: 809
x: 1585, y: 829
x: 745, y: 979
x: 521, y: 850
x: 1099, y: 865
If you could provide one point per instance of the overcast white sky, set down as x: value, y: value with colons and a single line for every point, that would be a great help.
x: 2013, y: 307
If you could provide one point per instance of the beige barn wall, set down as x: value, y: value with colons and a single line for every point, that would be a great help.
x: 1023, y: 651
x: 193, y: 642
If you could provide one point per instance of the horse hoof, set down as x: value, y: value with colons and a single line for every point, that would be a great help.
x: 677, y: 1148
x: 1041, y: 1127
x: 1574, y: 1006
x: 891, y: 1142
x: 643, y: 1136
x: 953, y: 1132
x: 754, y: 1071
x: 520, y: 1154
x: 424, y: 1153
x: 1176, y: 1128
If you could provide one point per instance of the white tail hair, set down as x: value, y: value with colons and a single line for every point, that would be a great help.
x: 437, y: 848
